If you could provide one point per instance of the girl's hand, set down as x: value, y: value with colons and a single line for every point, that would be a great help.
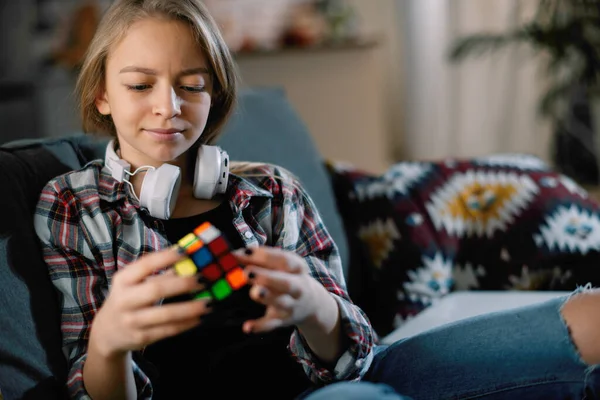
x: 280, y: 280
x: 130, y: 318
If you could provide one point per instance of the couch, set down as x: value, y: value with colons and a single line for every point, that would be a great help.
x: 406, y: 237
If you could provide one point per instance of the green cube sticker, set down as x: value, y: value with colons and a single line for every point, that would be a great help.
x: 205, y: 294
x: 221, y: 289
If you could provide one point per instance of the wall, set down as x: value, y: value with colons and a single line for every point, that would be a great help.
x: 351, y: 100
x: 16, y: 91
x: 380, y: 17
x: 337, y: 94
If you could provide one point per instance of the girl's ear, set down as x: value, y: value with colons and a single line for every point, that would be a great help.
x: 102, y: 103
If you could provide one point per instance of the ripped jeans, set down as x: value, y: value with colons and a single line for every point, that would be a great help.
x: 519, y: 354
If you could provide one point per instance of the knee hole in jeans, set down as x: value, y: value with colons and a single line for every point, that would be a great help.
x: 581, y: 314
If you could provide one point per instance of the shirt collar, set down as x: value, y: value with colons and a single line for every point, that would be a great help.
x: 110, y: 189
x: 245, y: 187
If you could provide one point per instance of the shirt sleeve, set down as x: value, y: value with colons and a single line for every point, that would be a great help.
x: 303, y: 231
x: 77, y: 271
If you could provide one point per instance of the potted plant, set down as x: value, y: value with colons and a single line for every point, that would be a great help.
x: 567, y: 34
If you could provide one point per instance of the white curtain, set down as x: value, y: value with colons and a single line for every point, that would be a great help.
x: 480, y: 106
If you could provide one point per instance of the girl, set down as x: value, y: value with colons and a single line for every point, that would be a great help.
x: 159, y: 78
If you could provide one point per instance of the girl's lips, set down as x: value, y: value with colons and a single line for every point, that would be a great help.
x: 164, y: 134
x: 170, y: 130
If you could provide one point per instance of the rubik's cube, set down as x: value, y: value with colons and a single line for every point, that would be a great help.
x: 209, y: 257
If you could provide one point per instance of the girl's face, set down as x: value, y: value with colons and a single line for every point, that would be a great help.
x: 158, y: 92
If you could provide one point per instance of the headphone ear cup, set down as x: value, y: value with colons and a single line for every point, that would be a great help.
x: 212, y: 172
x: 160, y: 189
x: 223, y: 173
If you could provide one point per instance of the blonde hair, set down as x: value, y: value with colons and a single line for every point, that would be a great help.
x: 118, y: 18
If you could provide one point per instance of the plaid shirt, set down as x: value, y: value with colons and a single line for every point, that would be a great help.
x: 90, y: 226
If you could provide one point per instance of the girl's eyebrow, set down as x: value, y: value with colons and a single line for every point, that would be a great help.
x: 149, y: 71
x: 133, y: 68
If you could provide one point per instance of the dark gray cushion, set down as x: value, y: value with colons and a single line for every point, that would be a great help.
x: 32, y: 365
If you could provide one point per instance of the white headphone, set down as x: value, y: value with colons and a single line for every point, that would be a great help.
x: 160, y: 186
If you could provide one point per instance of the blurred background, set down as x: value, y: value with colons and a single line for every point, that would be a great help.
x: 376, y: 81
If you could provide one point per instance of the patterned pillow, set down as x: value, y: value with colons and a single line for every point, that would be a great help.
x: 424, y: 229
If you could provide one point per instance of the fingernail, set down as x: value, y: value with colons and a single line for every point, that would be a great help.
x: 262, y: 293
x: 248, y: 252
x: 180, y: 249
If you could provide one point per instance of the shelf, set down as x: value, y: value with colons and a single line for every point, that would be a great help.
x: 327, y: 47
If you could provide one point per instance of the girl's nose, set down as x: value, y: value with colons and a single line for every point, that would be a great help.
x: 167, y: 104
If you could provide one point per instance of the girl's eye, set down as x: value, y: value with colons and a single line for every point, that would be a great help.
x: 193, y: 89
x: 138, y: 88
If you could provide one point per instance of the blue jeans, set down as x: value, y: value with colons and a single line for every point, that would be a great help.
x: 519, y: 354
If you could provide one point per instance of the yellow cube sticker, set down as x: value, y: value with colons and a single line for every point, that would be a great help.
x: 186, y: 267
x: 187, y: 240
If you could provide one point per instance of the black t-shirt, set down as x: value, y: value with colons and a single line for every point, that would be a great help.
x: 216, y: 357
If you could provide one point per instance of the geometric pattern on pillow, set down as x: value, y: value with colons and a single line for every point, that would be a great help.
x: 424, y: 229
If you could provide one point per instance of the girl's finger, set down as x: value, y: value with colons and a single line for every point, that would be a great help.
x: 158, y: 288
x: 154, y: 334
x: 282, y: 302
x: 271, y: 258
x: 276, y: 281
x: 172, y: 313
x: 264, y: 324
x: 147, y: 265
x: 167, y: 272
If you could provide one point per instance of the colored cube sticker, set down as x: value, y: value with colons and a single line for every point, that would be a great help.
x: 236, y: 278
x: 202, y: 257
x: 208, y: 256
x: 228, y: 262
x: 221, y: 289
x: 190, y: 243
x: 212, y: 272
x: 186, y: 267
x: 207, y: 232
x: 218, y: 246
x: 205, y: 294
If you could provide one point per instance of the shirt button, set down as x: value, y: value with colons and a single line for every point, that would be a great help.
x: 248, y: 234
